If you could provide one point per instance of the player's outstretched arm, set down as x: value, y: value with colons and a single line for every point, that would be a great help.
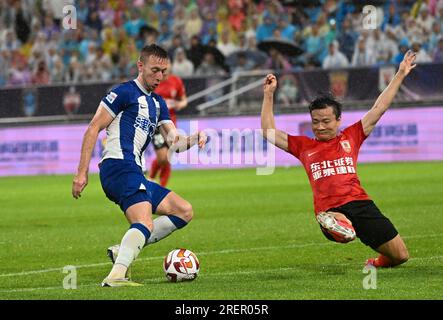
x: 178, y: 143
x: 101, y: 120
x: 387, y: 96
x: 269, y: 132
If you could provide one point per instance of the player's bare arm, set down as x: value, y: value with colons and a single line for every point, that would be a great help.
x: 387, y: 96
x: 179, y: 143
x: 277, y: 137
x: 178, y: 104
x: 101, y: 120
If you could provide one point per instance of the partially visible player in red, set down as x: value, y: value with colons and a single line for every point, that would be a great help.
x: 340, y: 203
x: 173, y: 91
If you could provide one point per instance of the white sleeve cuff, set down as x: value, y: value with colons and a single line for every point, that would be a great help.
x: 163, y: 122
x: 104, y: 105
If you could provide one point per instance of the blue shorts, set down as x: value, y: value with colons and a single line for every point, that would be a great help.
x: 124, y: 183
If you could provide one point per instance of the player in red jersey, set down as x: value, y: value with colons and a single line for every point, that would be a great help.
x: 173, y: 91
x: 330, y: 162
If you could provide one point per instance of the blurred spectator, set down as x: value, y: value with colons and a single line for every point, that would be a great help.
x: 4, y: 63
x: 164, y: 5
x: 403, y: 48
x: 435, y: 36
x: 176, y: 43
x: 236, y: 17
x: 424, y: 19
x: 106, y: 13
x: 19, y: 74
x: 437, y: 55
x: 347, y: 38
x: 209, y: 67
x: 314, y: 45
x: 74, y: 70
x: 288, y: 91
x: 10, y: 42
x: 363, y: 56
x: 243, y: 63
x: 422, y: 56
x: 335, y: 58
x: 82, y: 10
x: 22, y: 22
x: 287, y: 28
x: 265, y: 29
x: 134, y: 24
x: 225, y: 45
x: 179, y: 18
x: 49, y: 27
x: 392, y: 16
x: 209, y: 23
x: 57, y: 72
x: 56, y: 8
x: 195, y: 51
x: 165, y: 37
x: 400, y: 30
x: 211, y: 35
x: 381, y: 46
x: 41, y: 74
x: 103, y: 65
x: 277, y: 61
x: 181, y: 66
x: 93, y: 21
x: 194, y: 23
x: 252, y: 26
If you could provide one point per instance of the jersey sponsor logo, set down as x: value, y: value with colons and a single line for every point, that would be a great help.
x: 346, y: 146
x: 312, y: 153
x: 145, y: 124
x: 327, y: 168
x: 111, y: 97
x: 142, y: 102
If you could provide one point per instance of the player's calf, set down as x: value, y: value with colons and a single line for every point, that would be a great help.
x: 184, y: 211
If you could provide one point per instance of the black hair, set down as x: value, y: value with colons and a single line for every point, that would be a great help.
x: 326, y: 100
x: 153, y: 50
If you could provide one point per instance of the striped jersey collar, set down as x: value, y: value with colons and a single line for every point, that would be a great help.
x: 141, y: 87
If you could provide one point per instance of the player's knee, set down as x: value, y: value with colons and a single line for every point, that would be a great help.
x: 400, y: 257
x: 186, y: 211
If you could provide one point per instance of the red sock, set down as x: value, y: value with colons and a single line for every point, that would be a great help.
x: 165, y: 172
x: 382, y: 261
x: 154, y: 169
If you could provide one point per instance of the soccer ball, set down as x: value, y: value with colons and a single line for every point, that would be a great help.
x: 181, y: 265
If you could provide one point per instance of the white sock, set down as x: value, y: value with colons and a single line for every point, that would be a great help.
x: 131, y: 245
x: 163, y: 227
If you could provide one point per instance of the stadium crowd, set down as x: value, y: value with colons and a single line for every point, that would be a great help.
x: 204, y: 37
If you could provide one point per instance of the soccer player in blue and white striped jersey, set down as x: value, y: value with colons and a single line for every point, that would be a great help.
x: 130, y: 113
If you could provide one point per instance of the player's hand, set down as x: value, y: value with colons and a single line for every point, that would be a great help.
x: 408, y: 63
x: 171, y: 103
x: 270, y: 84
x: 340, y: 216
x: 78, y: 185
x: 202, y: 139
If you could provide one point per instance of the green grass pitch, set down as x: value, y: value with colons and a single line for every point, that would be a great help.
x: 255, y: 236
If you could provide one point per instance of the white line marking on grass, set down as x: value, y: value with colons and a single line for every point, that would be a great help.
x: 229, y: 273
x: 239, y: 250
x: 25, y: 273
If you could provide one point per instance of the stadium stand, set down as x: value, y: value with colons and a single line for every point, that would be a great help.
x: 204, y: 37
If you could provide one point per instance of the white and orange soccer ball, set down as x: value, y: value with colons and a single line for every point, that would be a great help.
x: 181, y: 265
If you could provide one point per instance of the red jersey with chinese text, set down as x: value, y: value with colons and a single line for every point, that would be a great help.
x: 331, y: 166
x: 171, y: 88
